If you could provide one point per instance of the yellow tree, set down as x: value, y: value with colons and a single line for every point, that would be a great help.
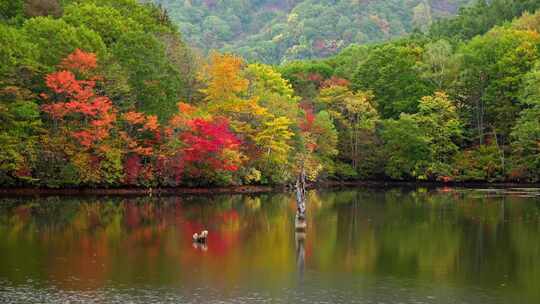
x: 225, y: 92
x: 356, y: 116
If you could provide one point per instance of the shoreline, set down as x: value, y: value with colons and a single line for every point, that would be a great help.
x: 248, y: 189
x: 22, y: 191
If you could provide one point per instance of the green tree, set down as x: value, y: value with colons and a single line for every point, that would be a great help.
x: 20, y: 126
x: 55, y: 39
x: 12, y: 11
x: 107, y: 21
x: 493, y: 67
x: 423, y: 145
x: 480, y: 163
x: 306, y: 76
x: 274, y: 142
x: 323, y: 139
x: 526, y: 132
x: 438, y: 118
x: 406, y: 147
x: 390, y: 72
x: 481, y: 17
x: 16, y: 53
x: 439, y: 66
x: 275, y: 134
x: 154, y: 79
x: 526, y: 144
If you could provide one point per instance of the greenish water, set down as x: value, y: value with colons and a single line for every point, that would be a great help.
x: 361, y: 246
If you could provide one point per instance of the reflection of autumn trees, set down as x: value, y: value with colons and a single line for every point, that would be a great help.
x: 101, y: 239
x: 447, y: 236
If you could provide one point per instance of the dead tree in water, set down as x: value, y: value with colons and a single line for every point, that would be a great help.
x: 300, y: 221
x: 300, y: 189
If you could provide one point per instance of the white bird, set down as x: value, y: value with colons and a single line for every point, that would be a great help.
x: 200, y: 237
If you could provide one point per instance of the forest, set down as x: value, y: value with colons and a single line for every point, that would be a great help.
x: 107, y: 93
x: 278, y: 31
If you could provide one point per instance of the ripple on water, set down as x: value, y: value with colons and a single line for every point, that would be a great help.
x: 311, y: 290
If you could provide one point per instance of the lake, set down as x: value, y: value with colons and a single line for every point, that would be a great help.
x: 440, y: 245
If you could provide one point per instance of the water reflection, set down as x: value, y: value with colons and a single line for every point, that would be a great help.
x: 300, y: 237
x: 431, y: 246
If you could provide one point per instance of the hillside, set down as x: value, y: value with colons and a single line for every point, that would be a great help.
x: 273, y: 31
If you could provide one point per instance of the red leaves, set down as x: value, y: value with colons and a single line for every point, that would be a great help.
x: 335, y: 81
x: 65, y: 84
x: 151, y: 123
x: 145, y: 133
x: 205, y: 141
x: 80, y: 100
x: 133, y: 117
x: 146, y: 122
x: 186, y: 109
x: 132, y: 169
x: 79, y: 61
x: 63, y: 81
x: 307, y: 123
x: 315, y: 77
x: 194, y: 146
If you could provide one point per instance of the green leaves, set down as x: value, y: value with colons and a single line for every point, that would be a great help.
x: 56, y: 39
x: 107, y: 21
x: 493, y: 67
x: 422, y: 145
x: 276, y: 32
x: 406, y: 147
x: 16, y: 51
x: 526, y: 141
x: 20, y: 127
x: 154, y: 80
x: 390, y: 72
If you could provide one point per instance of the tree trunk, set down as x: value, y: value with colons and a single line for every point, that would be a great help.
x: 300, y: 188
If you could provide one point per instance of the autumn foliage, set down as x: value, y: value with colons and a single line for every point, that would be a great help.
x: 208, y: 142
x: 248, y: 128
x: 87, y: 116
x: 96, y: 138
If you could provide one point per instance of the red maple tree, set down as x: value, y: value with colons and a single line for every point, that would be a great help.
x: 75, y: 104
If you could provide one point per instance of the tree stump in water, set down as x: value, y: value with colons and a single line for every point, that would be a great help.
x: 300, y: 188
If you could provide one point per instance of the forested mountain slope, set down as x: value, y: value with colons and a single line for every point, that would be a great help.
x: 274, y: 31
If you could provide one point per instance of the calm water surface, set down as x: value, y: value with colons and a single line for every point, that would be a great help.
x: 361, y: 246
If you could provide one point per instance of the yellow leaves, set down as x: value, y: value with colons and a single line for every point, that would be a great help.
x: 277, y: 128
x: 223, y: 77
x: 528, y: 22
x: 133, y: 141
x: 274, y: 137
x: 312, y: 167
x: 439, y: 104
x: 260, y: 107
x: 87, y: 167
x: 350, y: 109
x: 252, y: 175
